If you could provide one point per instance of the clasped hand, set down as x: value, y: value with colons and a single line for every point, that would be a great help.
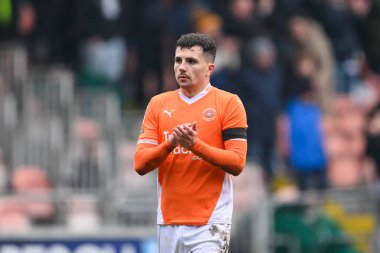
x: 185, y: 135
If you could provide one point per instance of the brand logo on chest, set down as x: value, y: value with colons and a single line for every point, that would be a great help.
x: 169, y: 112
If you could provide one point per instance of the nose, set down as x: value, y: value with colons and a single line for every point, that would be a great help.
x: 182, y: 66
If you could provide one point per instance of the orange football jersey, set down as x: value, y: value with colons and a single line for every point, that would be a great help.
x: 191, y: 190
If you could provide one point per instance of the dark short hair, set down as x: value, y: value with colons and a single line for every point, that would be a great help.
x: 198, y: 39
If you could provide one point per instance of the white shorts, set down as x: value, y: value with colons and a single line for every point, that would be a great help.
x: 211, y: 238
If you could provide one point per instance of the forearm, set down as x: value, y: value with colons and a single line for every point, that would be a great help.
x: 231, y: 160
x: 149, y: 158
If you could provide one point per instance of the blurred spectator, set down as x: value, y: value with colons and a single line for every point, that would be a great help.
x: 307, y: 35
x: 338, y: 23
x: 102, y: 45
x: 240, y: 19
x: 282, y: 11
x: 149, y: 47
x: 265, y: 8
x: 86, y: 162
x: 261, y: 81
x: 304, y: 67
x: 301, y: 138
x: 345, y: 143
x: 27, y: 18
x: 359, y: 8
x: 17, y: 19
x: 86, y: 171
x: 161, y: 23
x: 86, y: 130
x: 228, y: 58
x: 44, y: 32
x: 40, y: 26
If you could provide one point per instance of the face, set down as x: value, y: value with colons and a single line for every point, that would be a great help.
x: 265, y: 60
x: 306, y: 67
x: 192, y: 68
x: 298, y: 28
x: 242, y: 9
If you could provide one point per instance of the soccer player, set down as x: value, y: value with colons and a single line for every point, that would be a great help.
x: 196, y: 137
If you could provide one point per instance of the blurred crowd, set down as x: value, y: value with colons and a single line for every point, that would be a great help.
x: 307, y: 71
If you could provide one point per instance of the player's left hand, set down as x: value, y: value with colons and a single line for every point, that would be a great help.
x: 186, y: 134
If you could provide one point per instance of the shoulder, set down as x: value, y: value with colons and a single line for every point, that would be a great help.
x: 231, y: 109
x: 162, y: 97
x: 225, y: 96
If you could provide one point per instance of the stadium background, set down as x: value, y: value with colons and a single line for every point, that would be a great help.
x: 75, y: 77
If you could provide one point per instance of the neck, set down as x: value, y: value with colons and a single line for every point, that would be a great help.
x: 192, y: 91
x: 307, y: 97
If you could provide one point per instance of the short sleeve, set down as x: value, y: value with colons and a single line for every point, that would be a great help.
x: 235, y: 115
x: 149, y: 127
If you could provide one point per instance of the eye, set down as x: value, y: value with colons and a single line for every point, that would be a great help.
x: 177, y: 60
x: 191, y: 61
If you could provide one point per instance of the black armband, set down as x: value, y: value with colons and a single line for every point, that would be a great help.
x: 234, y: 133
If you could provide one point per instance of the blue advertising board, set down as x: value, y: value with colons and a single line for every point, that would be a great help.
x: 77, y: 245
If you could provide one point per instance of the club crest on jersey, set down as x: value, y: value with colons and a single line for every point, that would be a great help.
x: 209, y: 114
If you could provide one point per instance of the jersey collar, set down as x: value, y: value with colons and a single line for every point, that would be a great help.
x: 196, y: 97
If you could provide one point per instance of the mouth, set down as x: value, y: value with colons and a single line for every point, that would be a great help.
x: 183, y: 77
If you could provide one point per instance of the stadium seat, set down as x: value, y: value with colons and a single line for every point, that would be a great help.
x: 27, y: 179
x: 82, y: 213
x: 34, y: 184
x: 13, y: 216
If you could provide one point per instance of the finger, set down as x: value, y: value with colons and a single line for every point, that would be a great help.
x: 194, y: 126
x: 184, y: 129
x: 188, y: 128
x: 177, y: 132
x: 177, y: 137
x: 181, y: 133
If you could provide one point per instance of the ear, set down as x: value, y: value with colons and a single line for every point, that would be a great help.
x: 211, y: 67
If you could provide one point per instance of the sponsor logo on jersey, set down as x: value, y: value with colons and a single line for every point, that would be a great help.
x: 181, y: 150
x: 196, y: 158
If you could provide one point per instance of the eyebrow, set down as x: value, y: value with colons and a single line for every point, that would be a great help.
x: 186, y: 58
